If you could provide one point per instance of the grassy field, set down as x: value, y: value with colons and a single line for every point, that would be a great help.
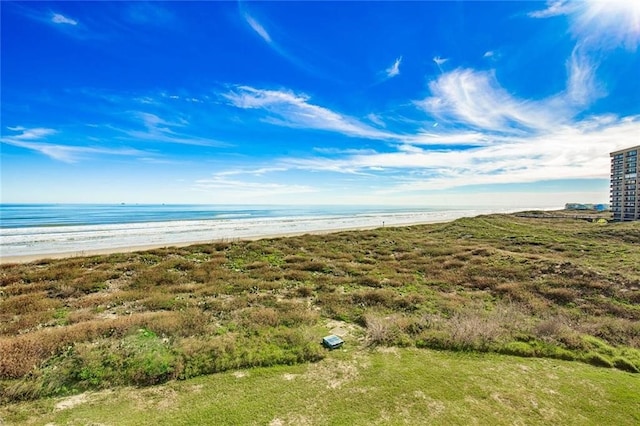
x: 538, y: 287
x: 365, y: 387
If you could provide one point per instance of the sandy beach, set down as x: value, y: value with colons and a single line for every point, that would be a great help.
x: 142, y: 247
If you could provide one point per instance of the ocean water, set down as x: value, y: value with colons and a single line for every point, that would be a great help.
x: 40, y: 229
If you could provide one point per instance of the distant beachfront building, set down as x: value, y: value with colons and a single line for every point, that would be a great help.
x: 581, y: 206
x: 625, y: 185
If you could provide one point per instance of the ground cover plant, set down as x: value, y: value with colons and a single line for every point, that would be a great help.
x: 528, y: 286
x: 352, y: 386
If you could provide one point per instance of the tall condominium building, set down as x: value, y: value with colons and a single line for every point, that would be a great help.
x: 625, y: 184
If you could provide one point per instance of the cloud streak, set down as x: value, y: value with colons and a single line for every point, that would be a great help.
x: 257, y: 27
x: 476, y: 99
x: 289, y: 109
x: 394, y: 69
x: 582, y: 87
x: 262, y: 32
x: 439, y: 61
x: 58, y: 18
x: 158, y: 129
x: 32, y: 139
x: 554, y: 8
x: 239, y: 190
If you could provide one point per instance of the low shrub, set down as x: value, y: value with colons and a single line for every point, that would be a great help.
x: 597, y: 359
x: 24, y: 353
x: 312, y: 266
x: 550, y: 327
x: 522, y: 349
x: 295, y: 275
x: 599, y: 346
x: 28, y: 303
x: 377, y: 297
x: 474, y: 330
x: 304, y: 291
x: 434, y: 339
x: 261, y: 317
x: 624, y: 364
x: 157, y: 276
x: 562, y: 295
x: 561, y: 353
x: 368, y: 281
x: 381, y: 331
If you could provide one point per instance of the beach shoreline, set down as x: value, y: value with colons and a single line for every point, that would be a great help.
x: 28, y: 258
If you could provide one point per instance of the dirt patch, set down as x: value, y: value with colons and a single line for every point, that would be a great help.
x: 107, y: 315
x: 160, y: 398
x: 388, y: 350
x: 83, y: 398
x: 196, y: 388
x: 72, y: 401
x: 435, y: 407
x: 289, y: 377
x: 240, y: 374
x: 348, y: 332
x: 335, y: 373
x: 296, y: 420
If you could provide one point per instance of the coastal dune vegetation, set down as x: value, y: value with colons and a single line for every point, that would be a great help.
x: 543, y: 287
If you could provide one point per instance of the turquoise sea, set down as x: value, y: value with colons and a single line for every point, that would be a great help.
x: 29, y: 215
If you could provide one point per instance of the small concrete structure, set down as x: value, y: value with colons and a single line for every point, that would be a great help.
x: 332, y: 342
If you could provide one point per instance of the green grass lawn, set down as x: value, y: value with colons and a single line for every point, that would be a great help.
x: 362, y: 387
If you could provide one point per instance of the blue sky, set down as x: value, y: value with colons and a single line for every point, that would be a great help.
x: 428, y: 103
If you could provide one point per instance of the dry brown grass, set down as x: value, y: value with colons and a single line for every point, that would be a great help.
x: 22, y: 354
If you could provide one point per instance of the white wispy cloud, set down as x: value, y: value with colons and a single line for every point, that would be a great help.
x: 30, y: 134
x: 239, y: 190
x: 35, y: 139
x: 72, y: 153
x: 376, y: 119
x: 257, y: 27
x: 251, y: 171
x: 175, y: 131
x: 58, y: 18
x: 554, y: 8
x: 449, y: 138
x: 343, y: 151
x: 394, y: 69
x: 62, y: 22
x: 287, y: 108
x: 582, y: 87
x: 283, y: 47
x: 439, y: 61
x: 475, y: 98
